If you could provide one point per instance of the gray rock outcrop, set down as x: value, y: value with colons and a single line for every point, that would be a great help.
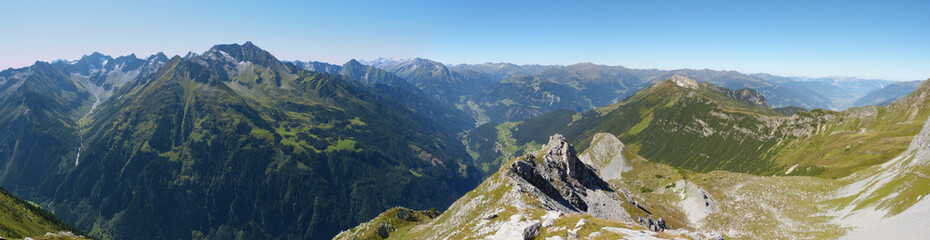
x: 531, y: 231
x: 560, y: 174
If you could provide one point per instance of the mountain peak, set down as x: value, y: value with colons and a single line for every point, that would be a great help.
x: 382, y: 62
x: 127, y: 57
x: 95, y: 54
x: 560, y: 150
x: 247, y: 52
x: 353, y: 62
x: 95, y: 58
x: 684, y: 82
x: 159, y: 57
x: 41, y: 65
x: 244, y: 52
x: 174, y: 59
x: 583, y: 64
x: 424, y: 61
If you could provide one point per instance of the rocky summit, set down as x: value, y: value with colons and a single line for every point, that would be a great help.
x: 561, y: 177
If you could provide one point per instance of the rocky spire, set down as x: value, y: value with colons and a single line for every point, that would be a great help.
x: 561, y: 175
x: 562, y: 153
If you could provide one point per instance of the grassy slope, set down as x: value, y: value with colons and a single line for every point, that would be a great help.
x: 20, y: 219
x: 847, y: 147
x: 704, y: 130
x: 753, y: 206
x: 858, y: 138
x: 663, y: 118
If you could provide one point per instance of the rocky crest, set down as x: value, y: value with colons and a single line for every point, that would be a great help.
x: 561, y: 176
x: 685, y: 82
x: 548, y: 194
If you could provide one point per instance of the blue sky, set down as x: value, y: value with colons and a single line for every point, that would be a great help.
x: 888, y: 39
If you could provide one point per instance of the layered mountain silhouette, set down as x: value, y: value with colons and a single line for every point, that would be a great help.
x: 682, y: 159
x: 211, y: 144
x: 235, y: 143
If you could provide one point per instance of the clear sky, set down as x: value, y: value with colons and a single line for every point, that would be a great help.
x: 880, y: 39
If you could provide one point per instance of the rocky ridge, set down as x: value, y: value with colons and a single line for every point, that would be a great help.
x: 551, y: 194
x: 565, y: 179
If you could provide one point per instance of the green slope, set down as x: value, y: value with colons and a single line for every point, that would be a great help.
x: 20, y: 219
x: 735, y: 205
x: 523, y: 97
x: 39, y: 111
x: 662, y: 117
x: 711, y: 128
x: 700, y: 129
x: 233, y: 144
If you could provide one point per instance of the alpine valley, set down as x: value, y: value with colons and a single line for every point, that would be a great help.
x: 233, y: 143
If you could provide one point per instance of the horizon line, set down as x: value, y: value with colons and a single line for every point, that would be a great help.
x: 447, y: 64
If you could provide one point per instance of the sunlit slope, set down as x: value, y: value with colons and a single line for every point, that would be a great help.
x: 701, y: 127
x: 689, y: 204
x: 212, y: 145
x: 21, y: 219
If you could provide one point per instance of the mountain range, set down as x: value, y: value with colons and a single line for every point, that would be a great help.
x: 211, y: 144
x: 503, y: 92
x: 723, y: 167
x: 235, y: 143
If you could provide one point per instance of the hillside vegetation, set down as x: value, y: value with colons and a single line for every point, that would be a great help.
x: 20, y: 219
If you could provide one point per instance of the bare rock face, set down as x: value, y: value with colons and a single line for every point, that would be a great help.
x: 606, y: 155
x: 563, y: 153
x: 653, y: 224
x: 563, y: 156
x: 560, y: 175
x: 685, y: 82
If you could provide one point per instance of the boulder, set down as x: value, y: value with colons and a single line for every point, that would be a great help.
x: 531, y: 231
x: 406, y: 215
x: 384, y: 230
x: 653, y: 224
